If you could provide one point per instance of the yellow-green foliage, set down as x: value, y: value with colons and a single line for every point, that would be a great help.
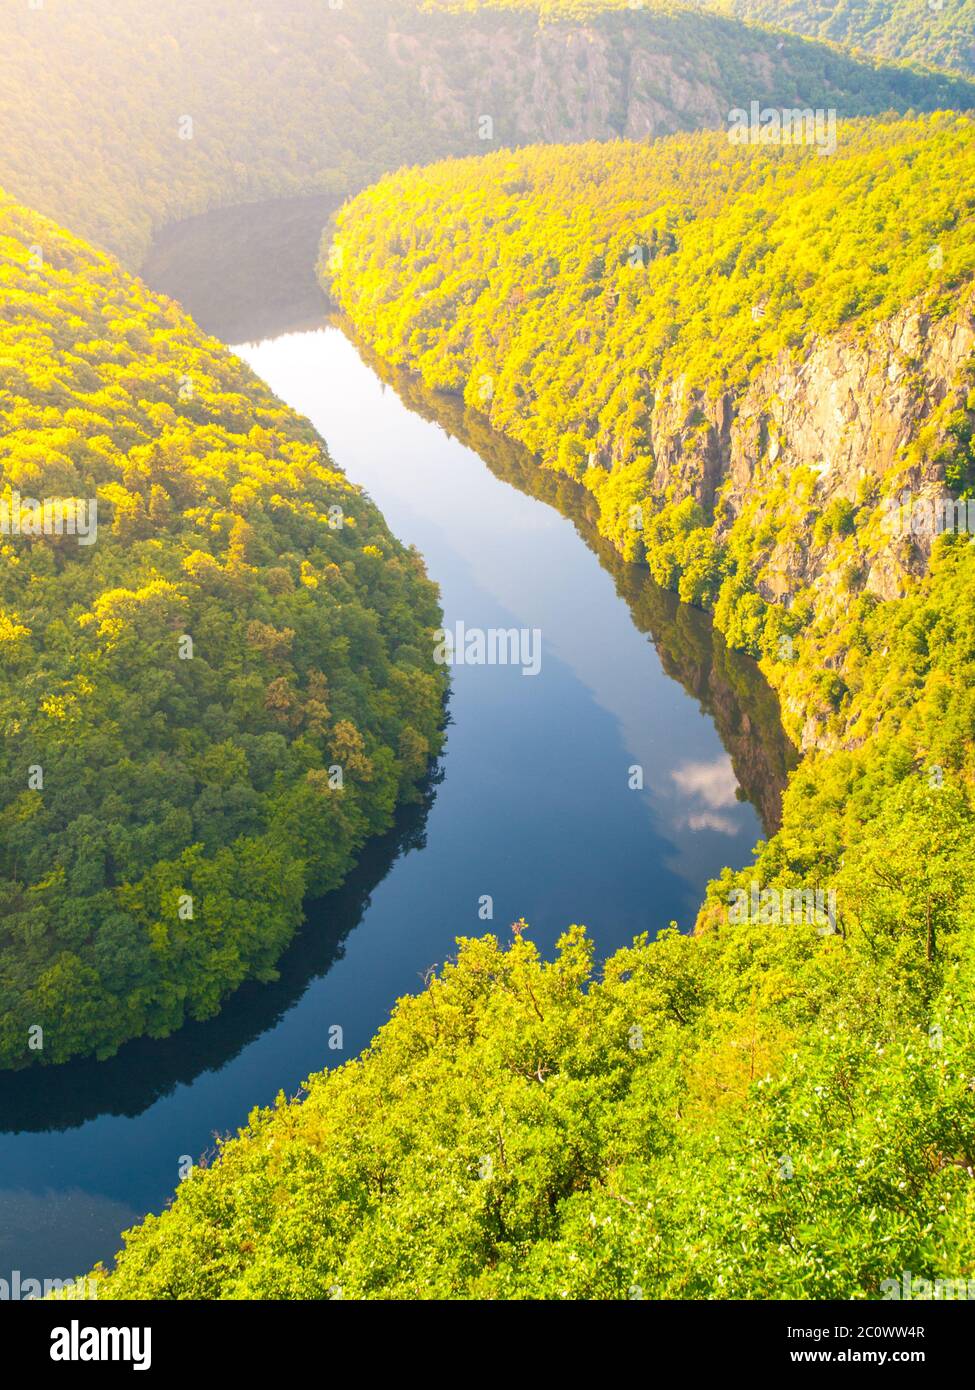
x: 511, y: 279
x: 222, y: 519
x: 762, y: 1110
x: 117, y: 118
x: 758, y: 1112
x: 929, y: 31
x: 581, y: 284
x: 569, y: 294
x: 776, y: 1107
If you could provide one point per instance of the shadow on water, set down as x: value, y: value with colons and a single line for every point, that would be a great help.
x: 265, y: 285
x: 260, y: 282
x: 147, y: 1069
x: 247, y: 274
x: 728, y: 685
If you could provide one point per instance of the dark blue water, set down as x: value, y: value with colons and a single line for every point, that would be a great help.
x: 530, y: 805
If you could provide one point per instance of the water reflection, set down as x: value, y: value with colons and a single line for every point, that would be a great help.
x: 245, y: 273
x: 531, y: 803
x: 147, y: 1069
x: 249, y: 304
x: 729, y: 685
x: 265, y: 286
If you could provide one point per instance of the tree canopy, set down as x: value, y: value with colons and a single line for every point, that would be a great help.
x: 207, y: 710
x: 225, y: 101
x: 779, y: 1105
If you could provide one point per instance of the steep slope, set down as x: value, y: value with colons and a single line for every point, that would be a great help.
x: 746, y: 354
x: 211, y: 696
x: 179, y: 105
x: 939, y: 32
x: 778, y: 1106
x: 729, y: 686
x: 760, y: 364
x: 758, y: 1112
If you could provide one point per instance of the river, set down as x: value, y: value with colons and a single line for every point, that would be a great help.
x: 531, y: 804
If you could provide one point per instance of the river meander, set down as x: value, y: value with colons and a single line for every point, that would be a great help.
x: 531, y: 804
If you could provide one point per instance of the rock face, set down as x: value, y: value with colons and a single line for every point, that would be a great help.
x: 847, y: 412
x: 635, y: 76
x: 558, y: 82
x: 853, y: 428
x: 729, y: 685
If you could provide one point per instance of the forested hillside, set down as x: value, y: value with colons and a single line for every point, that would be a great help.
x: 743, y: 353
x: 761, y: 1111
x: 595, y: 249
x: 939, y: 32
x: 224, y: 101
x: 778, y: 1106
x: 209, y: 710
x: 746, y: 357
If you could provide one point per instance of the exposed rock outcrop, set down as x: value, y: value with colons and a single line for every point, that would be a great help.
x: 847, y: 412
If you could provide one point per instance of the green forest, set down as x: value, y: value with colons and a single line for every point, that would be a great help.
x: 725, y: 362
x: 607, y: 246
x: 750, y: 1112
x: 591, y: 299
x: 758, y: 1110
x: 938, y: 32
x: 207, y: 712
x: 463, y: 292
x: 228, y: 101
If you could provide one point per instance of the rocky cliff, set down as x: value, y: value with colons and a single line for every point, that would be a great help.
x: 848, y: 412
x: 858, y: 428
x: 218, y: 104
x: 636, y: 74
